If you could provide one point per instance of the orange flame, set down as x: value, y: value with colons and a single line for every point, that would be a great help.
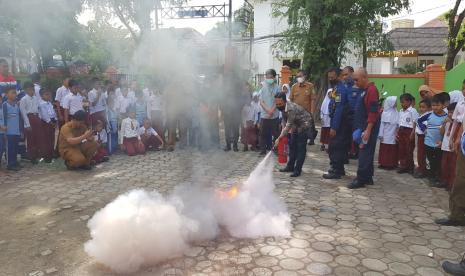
x: 229, y: 194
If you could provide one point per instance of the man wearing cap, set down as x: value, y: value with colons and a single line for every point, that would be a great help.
x: 76, y: 143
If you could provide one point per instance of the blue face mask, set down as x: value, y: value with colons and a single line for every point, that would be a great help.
x: 269, y: 81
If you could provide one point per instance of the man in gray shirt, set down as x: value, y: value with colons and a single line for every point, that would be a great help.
x: 300, y: 121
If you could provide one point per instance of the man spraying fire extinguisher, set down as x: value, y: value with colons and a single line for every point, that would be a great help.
x: 300, y: 121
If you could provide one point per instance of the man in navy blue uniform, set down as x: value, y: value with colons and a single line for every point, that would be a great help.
x: 341, y: 129
x: 354, y: 94
x: 367, y: 123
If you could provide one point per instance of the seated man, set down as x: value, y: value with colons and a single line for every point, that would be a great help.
x: 76, y: 143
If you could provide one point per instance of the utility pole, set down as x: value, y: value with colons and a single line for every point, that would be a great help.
x: 230, y: 21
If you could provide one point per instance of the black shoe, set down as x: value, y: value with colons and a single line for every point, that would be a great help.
x: 34, y: 161
x: 449, y: 222
x: 331, y: 175
x: 402, y: 171
x: 295, y: 174
x: 105, y: 159
x: 311, y: 142
x: 246, y: 148
x: 48, y: 160
x: 263, y: 153
x: 455, y: 269
x: 343, y: 173
x: 227, y: 148
x: 322, y: 148
x: 356, y: 185
x: 86, y: 167
x: 286, y: 170
x: 235, y: 148
x: 13, y: 168
x: 353, y: 156
x: 419, y: 175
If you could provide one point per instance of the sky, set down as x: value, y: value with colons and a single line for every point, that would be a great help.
x: 421, y: 11
x: 201, y: 25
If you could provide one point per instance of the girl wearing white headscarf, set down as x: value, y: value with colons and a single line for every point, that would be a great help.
x: 456, y: 96
x: 286, y: 89
x: 325, y: 120
x: 387, y: 134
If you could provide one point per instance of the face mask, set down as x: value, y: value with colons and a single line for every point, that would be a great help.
x: 281, y: 108
x: 269, y: 81
x: 300, y: 79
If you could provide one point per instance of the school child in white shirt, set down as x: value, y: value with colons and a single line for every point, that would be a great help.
x: 325, y: 121
x: 405, y: 134
x: 29, y: 106
x: 387, y: 157
x: 129, y: 138
x: 49, y: 120
x: 425, y: 110
x: 249, y: 134
x: 149, y: 136
x: 449, y: 157
x: 100, y: 136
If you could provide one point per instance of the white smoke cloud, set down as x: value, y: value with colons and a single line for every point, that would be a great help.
x: 144, y: 228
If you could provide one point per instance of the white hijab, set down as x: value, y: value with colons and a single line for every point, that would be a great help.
x: 390, y: 113
x: 288, y: 93
x: 456, y: 96
x: 325, y: 105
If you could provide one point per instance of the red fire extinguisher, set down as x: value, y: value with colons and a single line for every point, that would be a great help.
x: 282, y: 150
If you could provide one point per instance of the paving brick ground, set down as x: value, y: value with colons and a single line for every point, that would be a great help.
x: 386, y: 229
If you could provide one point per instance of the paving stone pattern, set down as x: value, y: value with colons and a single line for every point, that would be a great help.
x: 386, y: 229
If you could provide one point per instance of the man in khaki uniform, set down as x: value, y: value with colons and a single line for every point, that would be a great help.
x: 457, y: 195
x: 76, y: 143
x: 302, y: 94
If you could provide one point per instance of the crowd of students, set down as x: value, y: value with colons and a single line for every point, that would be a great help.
x: 434, y: 127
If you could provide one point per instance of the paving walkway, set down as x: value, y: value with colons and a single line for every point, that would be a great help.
x: 386, y: 229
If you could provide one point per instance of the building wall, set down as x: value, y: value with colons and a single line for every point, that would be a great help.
x: 264, y: 56
x: 454, y: 78
x: 395, y: 85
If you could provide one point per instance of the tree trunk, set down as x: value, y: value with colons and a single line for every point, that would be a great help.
x: 364, y: 53
x: 450, y: 58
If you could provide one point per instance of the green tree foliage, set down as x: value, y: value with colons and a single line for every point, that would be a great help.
x: 49, y: 27
x: 323, y: 29
x: 456, y: 37
x: 410, y: 68
x: 134, y: 15
x: 106, y: 45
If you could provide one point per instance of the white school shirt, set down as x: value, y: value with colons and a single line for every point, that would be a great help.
x: 154, y: 101
x: 150, y: 131
x: 408, y: 117
x: 46, y: 111
x: 37, y: 90
x: 128, y: 130
x: 247, y: 114
x: 256, y: 108
x: 28, y: 105
x: 100, y: 105
x: 101, y: 136
x: 446, y: 138
x: 122, y: 103
x: 61, y: 93
x: 459, y: 112
x: 388, y: 132
x: 73, y: 103
x: 324, y: 110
